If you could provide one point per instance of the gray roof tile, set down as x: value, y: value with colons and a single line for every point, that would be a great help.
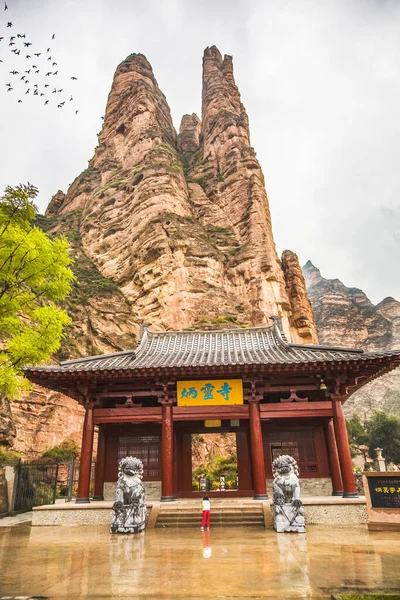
x: 257, y: 345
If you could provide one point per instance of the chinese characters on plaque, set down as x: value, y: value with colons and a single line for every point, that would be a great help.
x: 384, y: 491
x: 207, y: 392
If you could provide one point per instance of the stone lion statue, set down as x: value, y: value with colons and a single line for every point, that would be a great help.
x: 287, y: 508
x: 129, y: 509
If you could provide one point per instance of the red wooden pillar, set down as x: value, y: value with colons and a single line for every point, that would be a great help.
x: 86, y: 457
x: 333, y: 457
x: 100, y: 465
x: 342, y: 441
x: 257, y: 451
x: 167, y: 452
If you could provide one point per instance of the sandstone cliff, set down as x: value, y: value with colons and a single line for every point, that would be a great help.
x: 345, y: 316
x: 181, y: 224
x: 172, y: 230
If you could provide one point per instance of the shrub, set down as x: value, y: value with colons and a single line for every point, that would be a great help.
x: 62, y: 453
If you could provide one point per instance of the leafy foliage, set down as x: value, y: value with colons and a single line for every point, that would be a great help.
x: 62, y: 453
x: 357, y: 435
x: 384, y: 432
x: 380, y: 431
x: 34, y: 275
x: 214, y: 469
x: 8, y: 457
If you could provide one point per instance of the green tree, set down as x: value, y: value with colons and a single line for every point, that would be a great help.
x: 34, y: 275
x: 357, y: 435
x: 383, y: 431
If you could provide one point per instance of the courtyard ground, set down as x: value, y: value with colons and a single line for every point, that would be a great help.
x: 226, y: 563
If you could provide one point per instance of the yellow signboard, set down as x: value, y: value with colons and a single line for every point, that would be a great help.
x: 209, y: 392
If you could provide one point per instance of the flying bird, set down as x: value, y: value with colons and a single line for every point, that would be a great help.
x: 36, y: 93
x: 55, y: 73
x: 49, y: 58
x: 9, y: 24
x: 71, y: 99
x: 27, y: 91
x: 54, y: 91
x: 23, y: 77
x: 53, y: 37
x: 37, y: 54
x: 74, y: 78
x: 49, y: 73
x: 59, y: 105
x: 26, y: 82
x: 47, y: 85
x: 28, y: 56
x: 27, y: 44
x: 14, y: 72
x: 38, y: 71
x: 59, y: 91
x: 48, y: 49
x: 28, y: 71
x: 36, y: 85
x: 54, y: 64
x: 76, y: 112
x: 16, y: 51
x: 9, y: 89
x: 12, y: 38
x: 1, y: 38
x: 5, y: 6
x: 19, y: 101
x: 11, y: 44
x: 47, y: 101
x: 34, y: 67
x: 20, y: 35
x: 42, y: 94
x: 62, y: 103
x: 9, y: 84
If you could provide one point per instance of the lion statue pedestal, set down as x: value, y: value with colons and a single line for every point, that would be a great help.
x: 287, y: 508
x: 129, y: 510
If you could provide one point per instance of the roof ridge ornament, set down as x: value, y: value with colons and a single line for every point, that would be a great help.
x: 278, y: 329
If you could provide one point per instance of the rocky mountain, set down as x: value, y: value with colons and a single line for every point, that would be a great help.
x: 181, y: 223
x: 169, y: 229
x: 345, y: 316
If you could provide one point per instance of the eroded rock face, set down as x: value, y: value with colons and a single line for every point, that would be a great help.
x: 302, y: 317
x: 181, y: 223
x: 345, y: 316
x: 170, y: 230
x: 44, y: 420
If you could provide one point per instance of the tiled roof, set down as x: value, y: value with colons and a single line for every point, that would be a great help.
x: 257, y: 345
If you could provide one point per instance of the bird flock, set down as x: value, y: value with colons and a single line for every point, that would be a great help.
x: 36, y: 70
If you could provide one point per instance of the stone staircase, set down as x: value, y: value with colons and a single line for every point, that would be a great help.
x: 180, y: 514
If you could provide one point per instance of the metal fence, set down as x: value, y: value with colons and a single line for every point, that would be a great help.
x: 73, y: 479
x: 40, y: 483
x: 36, y: 485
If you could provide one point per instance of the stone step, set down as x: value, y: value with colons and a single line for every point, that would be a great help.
x: 221, y: 516
x: 222, y: 521
x: 214, y: 525
x: 236, y: 511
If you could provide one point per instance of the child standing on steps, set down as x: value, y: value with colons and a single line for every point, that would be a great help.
x: 206, y: 507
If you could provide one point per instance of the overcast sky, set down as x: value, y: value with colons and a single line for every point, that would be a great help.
x: 320, y: 80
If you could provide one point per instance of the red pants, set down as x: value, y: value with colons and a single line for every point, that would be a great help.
x: 206, y: 519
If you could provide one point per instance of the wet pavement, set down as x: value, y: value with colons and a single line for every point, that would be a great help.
x: 229, y: 563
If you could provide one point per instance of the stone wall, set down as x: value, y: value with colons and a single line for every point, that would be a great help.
x: 312, y: 486
x: 152, y: 490
x: 3, y: 492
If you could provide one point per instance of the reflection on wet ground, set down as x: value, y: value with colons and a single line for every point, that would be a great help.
x: 88, y: 562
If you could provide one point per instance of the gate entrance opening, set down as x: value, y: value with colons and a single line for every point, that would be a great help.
x: 214, y: 462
